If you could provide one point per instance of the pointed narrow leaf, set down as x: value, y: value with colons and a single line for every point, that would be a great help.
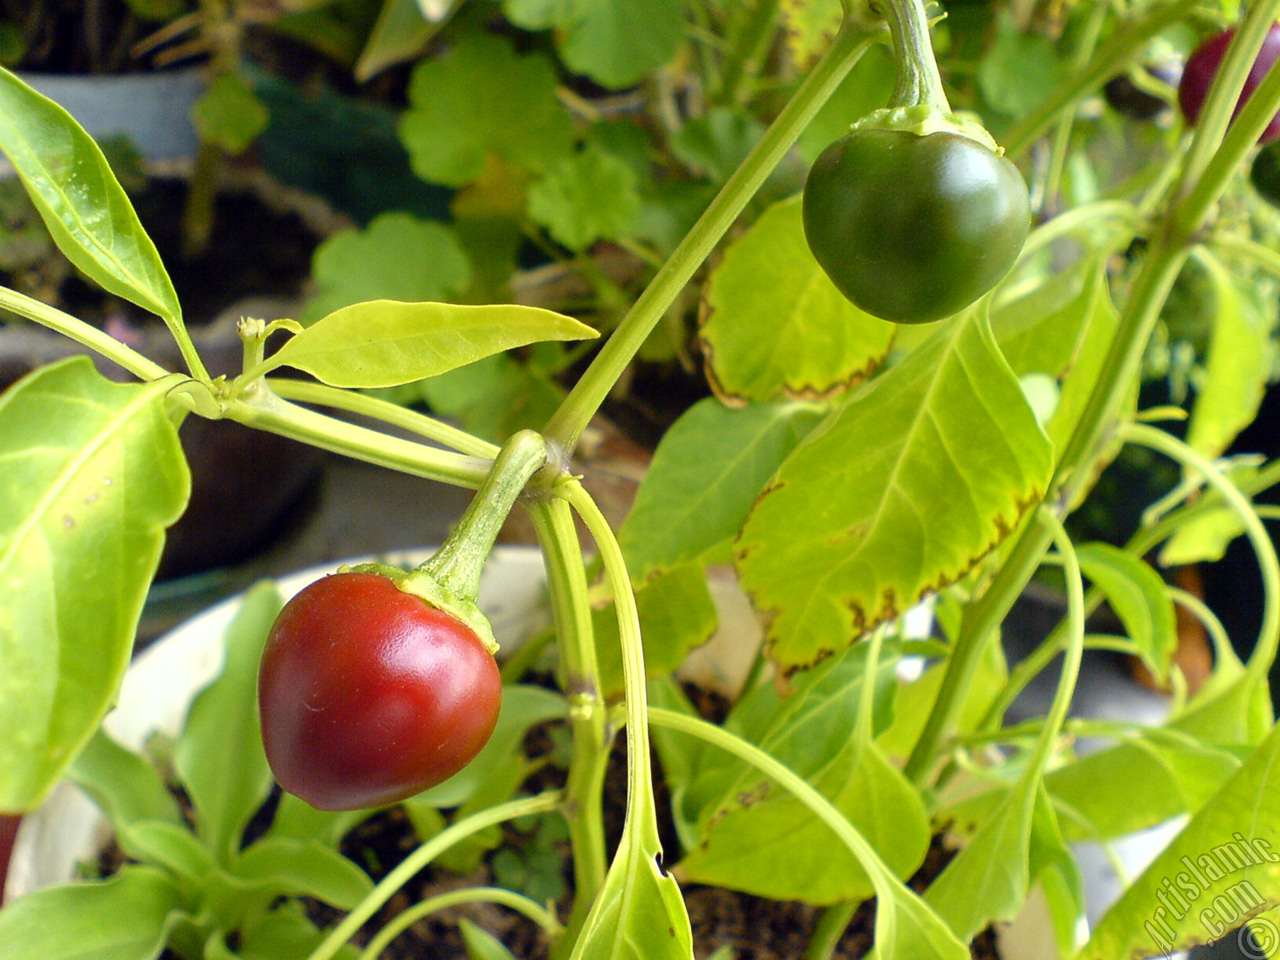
x: 83, y: 205
x: 776, y: 327
x: 1138, y: 597
x: 125, y: 918
x: 639, y: 914
x: 706, y: 472
x: 296, y: 867
x: 384, y: 343
x: 91, y: 473
x: 123, y: 784
x: 1222, y: 869
x: 219, y: 756
x: 1239, y: 364
x: 910, y: 483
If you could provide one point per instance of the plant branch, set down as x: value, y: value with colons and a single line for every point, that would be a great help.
x: 262, y: 409
x: 567, y: 423
x: 82, y: 333
x: 584, y: 788
x: 352, y: 401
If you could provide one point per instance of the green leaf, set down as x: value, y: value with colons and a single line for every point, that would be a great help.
x: 586, y: 197
x: 229, y: 114
x: 1137, y: 595
x: 1038, y: 323
x: 80, y: 201
x: 482, y: 945
x: 759, y: 839
x: 1221, y: 869
x: 1206, y: 537
x: 494, y: 397
x: 1136, y: 784
x: 1239, y: 364
x: 396, y: 257
x: 384, y: 343
x: 123, y: 784
x: 810, y: 26
x: 614, y: 42
x: 1054, y: 867
x: 1020, y: 70
x: 173, y: 847
x: 218, y: 755
x: 522, y: 707
x: 400, y: 33
x: 125, y: 918
x: 93, y: 473
x: 776, y: 326
x: 284, y: 934
x: 298, y: 820
x: 902, y: 490
x: 866, y: 88
x: 302, y: 868
x: 676, y: 615
x: 989, y: 878
x: 481, y: 98
x: 708, y: 469
x: 1090, y: 355
x: 639, y: 913
x: 715, y: 143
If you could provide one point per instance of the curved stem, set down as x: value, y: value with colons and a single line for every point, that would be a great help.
x: 457, y: 565
x: 919, y: 84
x: 640, y: 813
x: 262, y: 409
x: 1264, y: 652
x: 1208, y: 619
x: 79, y: 331
x: 1058, y: 710
x: 507, y: 898
x: 421, y: 857
x: 584, y: 788
x: 1235, y: 246
x: 889, y: 889
x: 352, y: 401
x: 567, y: 423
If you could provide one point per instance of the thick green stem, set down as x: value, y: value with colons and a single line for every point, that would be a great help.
x: 82, y: 333
x: 1163, y: 261
x: 566, y: 425
x: 919, y: 83
x: 457, y: 565
x: 422, y: 857
x: 584, y: 790
x: 263, y: 410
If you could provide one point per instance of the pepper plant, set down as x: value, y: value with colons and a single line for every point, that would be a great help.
x: 849, y: 468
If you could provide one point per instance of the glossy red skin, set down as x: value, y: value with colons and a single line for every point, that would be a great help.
x: 1203, y: 64
x: 367, y: 695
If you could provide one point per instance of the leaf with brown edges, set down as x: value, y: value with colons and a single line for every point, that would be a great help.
x: 910, y: 483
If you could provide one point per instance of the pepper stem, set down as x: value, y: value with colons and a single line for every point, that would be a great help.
x: 919, y: 83
x: 457, y: 565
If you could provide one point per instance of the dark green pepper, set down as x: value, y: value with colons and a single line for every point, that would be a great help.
x: 913, y: 228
